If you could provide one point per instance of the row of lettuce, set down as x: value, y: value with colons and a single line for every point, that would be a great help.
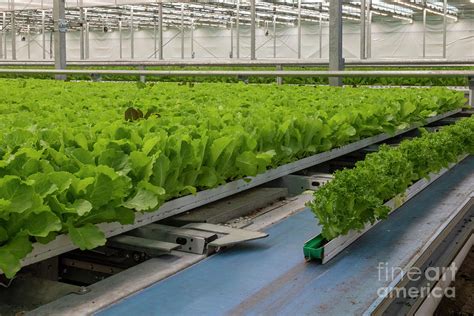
x: 356, y: 197
x: 72, y: 155
x: 356, y: 81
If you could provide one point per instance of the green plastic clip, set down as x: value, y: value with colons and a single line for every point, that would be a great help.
x: 314, y: 248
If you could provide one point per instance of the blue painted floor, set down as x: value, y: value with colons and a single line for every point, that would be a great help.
x: 270, y: 276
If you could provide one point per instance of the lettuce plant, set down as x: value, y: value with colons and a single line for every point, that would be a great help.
x: 356, y: 196
x: 76, y: 154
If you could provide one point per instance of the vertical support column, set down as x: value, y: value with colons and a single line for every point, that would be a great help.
x: 160, y: 30
x: 424, y: 32
x: 87, y: 43
x: 231, y: 55
x: 299, y: 29
x: 120, y: 40
x: 362, y: 29
x: 43, y: 33
x: 13, y: 30
x: 182, y: 30
x: 28, y: 41
x: 1, y: 39
x: 445, y: 25
x: 279, y: 80
x: 368, y: 36
x: 252, y: 30
x: 132, y: 35
x: 336, y: 62
x: 4, y: 23
x: 81, y: 34
x: 192, y: 38
x: 237, y: 30
x: 274, y: 37
x: 320, y: 31
x: 51, y: 43
x: 155, y: 44
x: 60, y: 29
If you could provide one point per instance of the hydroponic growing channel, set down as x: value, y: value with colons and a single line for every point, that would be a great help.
x: 78, y: 154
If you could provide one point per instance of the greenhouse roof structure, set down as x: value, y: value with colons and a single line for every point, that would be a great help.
x: 36, y: 15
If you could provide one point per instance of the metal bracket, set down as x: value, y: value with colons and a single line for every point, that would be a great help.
x: 150, y: 247
x: 188, y: 240
x: 371, y: 148
x: 297, y: 184
x: 198, y: 238
x: 227, y: 235
x: 62, y: 25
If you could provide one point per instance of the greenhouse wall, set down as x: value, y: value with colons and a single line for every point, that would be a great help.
x: 389, y: 40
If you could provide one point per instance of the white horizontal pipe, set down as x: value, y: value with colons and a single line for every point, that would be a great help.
x: 272, y: 73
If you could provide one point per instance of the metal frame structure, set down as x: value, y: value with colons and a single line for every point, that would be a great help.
x: 246, y: 73
x: 335, y: 76
x: 60, y: 28
x: 38, y: 17
x: 336, y: 61
x: 415, y: 62
x: 213, y: 13
x: 332, y: 75
x: 429, y: 305
x: 246, y: 62
x: 61, y: 18
x: 440, y: 250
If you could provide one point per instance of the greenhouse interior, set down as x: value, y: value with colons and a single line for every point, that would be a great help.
x: 250, y: 157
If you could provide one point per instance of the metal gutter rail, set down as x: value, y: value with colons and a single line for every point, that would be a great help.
x: 266, y: 73
x: 318, y: 248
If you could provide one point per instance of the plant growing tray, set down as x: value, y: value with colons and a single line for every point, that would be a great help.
x: 318, y: 248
